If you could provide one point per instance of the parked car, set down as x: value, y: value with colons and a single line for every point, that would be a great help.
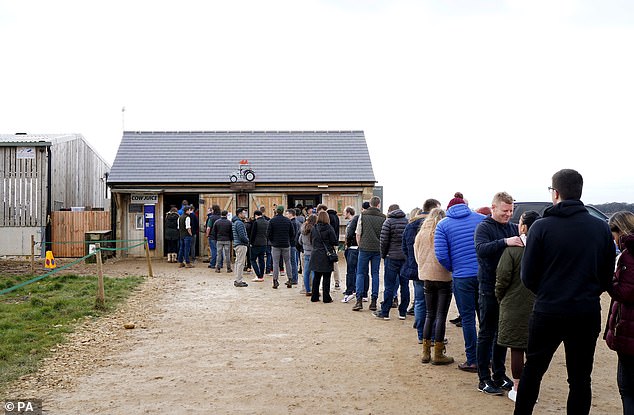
x: 540, y: 207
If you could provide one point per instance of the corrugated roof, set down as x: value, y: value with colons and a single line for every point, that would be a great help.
x: 212, y: 156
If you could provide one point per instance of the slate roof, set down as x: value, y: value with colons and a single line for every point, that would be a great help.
x: 212, y: 156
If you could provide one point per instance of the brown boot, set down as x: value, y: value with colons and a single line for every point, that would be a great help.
x: 181, y: 265
x: 426, y: 357
x: 439, y: 358
x: 358, y: 305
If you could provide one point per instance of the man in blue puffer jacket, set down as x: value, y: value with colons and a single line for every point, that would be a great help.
x: 455, y: 250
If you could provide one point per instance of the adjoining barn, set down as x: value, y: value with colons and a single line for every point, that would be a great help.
x: 154, y: 170
x: 41, y: 174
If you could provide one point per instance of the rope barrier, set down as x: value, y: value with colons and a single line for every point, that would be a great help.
x: 97, y: 251
x: 89, y: 242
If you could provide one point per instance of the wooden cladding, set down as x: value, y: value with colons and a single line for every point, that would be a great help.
x: 71, y: 227
x: 23, y: 187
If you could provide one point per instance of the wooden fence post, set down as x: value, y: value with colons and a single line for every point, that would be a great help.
x: 101, y: 296
x: 147, y: 257
x: 32, y: 255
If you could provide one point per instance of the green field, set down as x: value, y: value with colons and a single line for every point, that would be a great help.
x: 34, y: 318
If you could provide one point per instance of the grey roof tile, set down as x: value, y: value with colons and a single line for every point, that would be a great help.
x: 212, y: 156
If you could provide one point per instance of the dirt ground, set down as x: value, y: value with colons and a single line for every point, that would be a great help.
x: 202, y: 346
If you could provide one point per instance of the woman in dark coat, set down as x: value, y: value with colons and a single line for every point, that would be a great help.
x: 171, y: 234
x: 516, y: 302
x: 323, y: 236
x: 620, y: 331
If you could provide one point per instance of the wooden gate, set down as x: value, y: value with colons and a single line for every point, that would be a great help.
x: 226, y: 202
x: 71, y: 227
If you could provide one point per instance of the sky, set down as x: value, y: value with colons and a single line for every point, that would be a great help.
x: 473, y: 96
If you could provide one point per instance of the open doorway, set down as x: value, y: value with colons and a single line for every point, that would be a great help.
x: 304, y: 200
x: 176, y: 200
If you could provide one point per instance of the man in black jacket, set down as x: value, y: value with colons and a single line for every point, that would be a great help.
x: 281, y: 234
x: 492, y: 236
x: 258, y: 244
x: 222, y: 233
x: 568, y: 262
x: 334, y: 222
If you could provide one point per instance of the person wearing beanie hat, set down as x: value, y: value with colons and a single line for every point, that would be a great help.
x: 455, y: 250
x: 458, y: 199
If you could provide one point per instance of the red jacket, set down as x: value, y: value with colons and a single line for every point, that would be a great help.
x: 620, y: 331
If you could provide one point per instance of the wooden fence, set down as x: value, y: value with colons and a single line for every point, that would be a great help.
x: 71, y: 226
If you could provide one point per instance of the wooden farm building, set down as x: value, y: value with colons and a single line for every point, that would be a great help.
x: 154, y: 170
x: 42, y: 174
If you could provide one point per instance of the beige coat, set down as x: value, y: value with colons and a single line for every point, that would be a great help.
x: 428, y: 266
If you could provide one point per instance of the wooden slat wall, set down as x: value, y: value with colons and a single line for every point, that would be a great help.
x: 71, y: 226
x: 339, y: 202
x: 225, y: 201
x: 22, y: 188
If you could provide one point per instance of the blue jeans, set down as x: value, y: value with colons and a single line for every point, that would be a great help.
x: 368, y: 259
x: 352, y: 257
x: 213, y: 253
x: 420, y: 308
x: 466, y: 293
x: 488, y: 350
x: 294, y: 275
x: 307, y: 274
x: 257, y: 260
x: 392, y: 278
x: 184, y: 248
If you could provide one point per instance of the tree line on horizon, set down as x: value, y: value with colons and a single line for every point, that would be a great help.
x: 613, y: 207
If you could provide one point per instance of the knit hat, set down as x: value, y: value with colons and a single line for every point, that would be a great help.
x: 279, y: 209
x: 457, y: 200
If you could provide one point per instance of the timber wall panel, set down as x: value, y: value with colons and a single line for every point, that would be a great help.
x: 71, y: 227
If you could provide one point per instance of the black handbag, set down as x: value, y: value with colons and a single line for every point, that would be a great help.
x: 330, y: 251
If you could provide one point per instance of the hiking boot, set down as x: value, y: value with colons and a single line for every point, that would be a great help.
x: 373, y: 304
x: 426, y: 356
x: 240, y: 284
x: 505, y: 383
x: 487, y: 387
x: 439, y: 357
x: 358, y: 306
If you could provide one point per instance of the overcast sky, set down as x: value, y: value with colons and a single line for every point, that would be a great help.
x: 453, y: 95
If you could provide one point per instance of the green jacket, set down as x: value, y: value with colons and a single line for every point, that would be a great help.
x: 371, y: 222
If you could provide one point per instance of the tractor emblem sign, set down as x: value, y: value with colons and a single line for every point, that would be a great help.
x: 244, y: 173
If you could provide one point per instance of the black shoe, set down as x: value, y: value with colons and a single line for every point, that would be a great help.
x: 456, y: 320
x: 395, y: 303
x: 275, y: 284
x: 378, y: 314
x: 489, y: 388
x: 505, y: 383
x: 373, y: 305
x: 240, y: 284
x: 410, y: 312
x: 289, y: 284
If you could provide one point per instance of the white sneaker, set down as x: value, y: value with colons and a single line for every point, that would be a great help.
x: 365, y: 299
x: 512, y: 395
x: 347, y: 298
x: 256, y: 279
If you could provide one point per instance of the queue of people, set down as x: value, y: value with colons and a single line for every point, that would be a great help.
x: 507, y: 277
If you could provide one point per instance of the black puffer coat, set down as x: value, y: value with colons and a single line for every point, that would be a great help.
x: 322, y: 234
x: 392, y: 235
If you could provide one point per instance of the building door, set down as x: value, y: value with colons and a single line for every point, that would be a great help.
x: 176, y: 200
x: 226, y: 201
x: 304, y: 200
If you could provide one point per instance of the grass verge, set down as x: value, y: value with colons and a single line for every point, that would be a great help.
x: 34, y: 318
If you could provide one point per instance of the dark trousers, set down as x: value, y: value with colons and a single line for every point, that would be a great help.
x: 437, y: 301
x: 487, y: 348
x: 257, y: 260
x: 546, y: 332
x: 351, y: 270
x: 172, y: 246
x: 625, y: 380
x: 269, y: 260
x: 326, y: 286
